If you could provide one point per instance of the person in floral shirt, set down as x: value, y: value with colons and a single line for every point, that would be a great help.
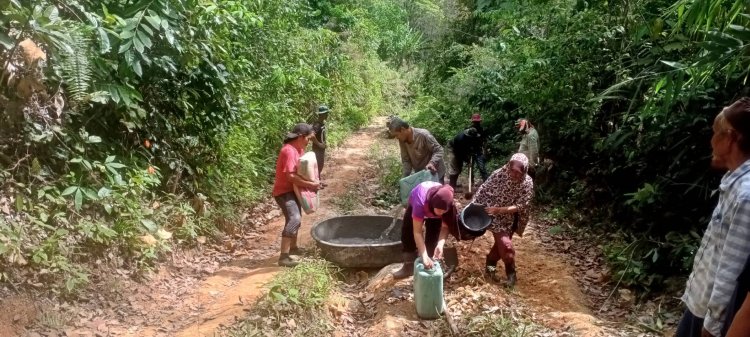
x: 507, y: 197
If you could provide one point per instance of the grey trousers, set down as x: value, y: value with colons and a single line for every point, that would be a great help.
x: 292, y: 214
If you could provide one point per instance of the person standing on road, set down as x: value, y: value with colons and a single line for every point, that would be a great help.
x: 478, y: 155
x: 286, y: 177
x: 464, y: 145
x: 320, y: 142
x: 419, y: 149
x: 429, y: 214
x: 529, y: 144
x: 507, y: 197
x: 725, y: 246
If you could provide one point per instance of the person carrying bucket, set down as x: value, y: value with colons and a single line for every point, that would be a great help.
x: 507, y: 197
x: 430, y: 206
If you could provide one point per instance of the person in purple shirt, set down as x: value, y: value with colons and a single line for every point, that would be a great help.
x: 430, y: 206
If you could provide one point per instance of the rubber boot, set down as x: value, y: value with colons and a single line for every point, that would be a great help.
x: 490, y: 270
x: 408, y: 268
x: 510, y: 272
x: 453, y: 180
x: 286, y: 261
x: 296, y: 251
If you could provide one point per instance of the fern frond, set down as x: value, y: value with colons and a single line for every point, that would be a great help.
x: 76, y: 68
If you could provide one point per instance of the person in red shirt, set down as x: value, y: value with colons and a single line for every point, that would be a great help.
x: 283, y: 189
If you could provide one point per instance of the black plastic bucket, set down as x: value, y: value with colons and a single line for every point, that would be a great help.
x: 474, y: 219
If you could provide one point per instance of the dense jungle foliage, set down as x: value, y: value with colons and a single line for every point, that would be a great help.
x: 623, y: 94
x: 131, y: 126
x: 123, y: 121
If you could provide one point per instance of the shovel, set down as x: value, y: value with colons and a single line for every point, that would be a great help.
x: 470, y: 194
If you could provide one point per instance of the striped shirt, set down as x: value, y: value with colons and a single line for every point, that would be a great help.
x: 723, y: 251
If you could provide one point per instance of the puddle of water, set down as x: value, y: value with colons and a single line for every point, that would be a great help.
x: 388, y: 230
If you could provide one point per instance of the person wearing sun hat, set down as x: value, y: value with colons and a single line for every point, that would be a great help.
x: 319, y: 142
x: 286, y: 178
x: 529, y: 144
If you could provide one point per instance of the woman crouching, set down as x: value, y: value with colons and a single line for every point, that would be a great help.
x: 430, y: 204
x: 507, y: 195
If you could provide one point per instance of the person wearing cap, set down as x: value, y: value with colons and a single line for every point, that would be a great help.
x: 286, y: 178
x: 319, y: 142
x: 419, y: 149
x: 466, y: 144
x: 529, y: 144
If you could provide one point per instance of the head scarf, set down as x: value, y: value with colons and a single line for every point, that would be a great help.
x: 441, y: 197
x: 520, y: 158
x: 500, y: 191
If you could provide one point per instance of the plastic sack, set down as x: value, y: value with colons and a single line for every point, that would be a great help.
x: 407, y: 184
x: 308, y: 170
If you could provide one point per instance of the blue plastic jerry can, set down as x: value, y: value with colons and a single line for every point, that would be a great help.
x: 428, y: 290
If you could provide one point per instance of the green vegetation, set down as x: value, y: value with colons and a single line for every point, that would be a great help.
x: 622, y: 94
x: 296, y: 304
x: 499, y: 325
x: 388, y: 166
x: 129, y: 126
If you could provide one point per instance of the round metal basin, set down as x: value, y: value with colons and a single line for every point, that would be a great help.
x: 367, y: 241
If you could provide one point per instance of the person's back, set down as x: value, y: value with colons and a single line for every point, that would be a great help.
x: 466, y: 143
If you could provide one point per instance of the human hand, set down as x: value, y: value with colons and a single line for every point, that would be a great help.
x: 431, y: 167
x: 428, y: 264
x: 314, y: 185
x: 438, y: 254
x: 494, y: 210
x: 705, y: 333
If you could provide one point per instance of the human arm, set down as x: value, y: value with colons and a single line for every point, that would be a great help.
x: 732, y: 259
x: 300, y: 182
x: 438, y: 254
x: 502, y: 210
x: 437, y: 152
x: 419, y: 241
x: 405, y: 160
x: 534, y: 149
x: 523, y: 147
x: 741, y: 323
x: 319, y: 144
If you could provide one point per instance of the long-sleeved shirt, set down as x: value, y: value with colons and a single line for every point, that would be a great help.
x: 423, y: 149
x: 530, y: 146
x: 500, y: 191
x: 723, y: 251
x: 464, y: 146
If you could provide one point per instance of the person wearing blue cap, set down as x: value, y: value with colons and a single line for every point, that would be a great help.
x: 319, y: 143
